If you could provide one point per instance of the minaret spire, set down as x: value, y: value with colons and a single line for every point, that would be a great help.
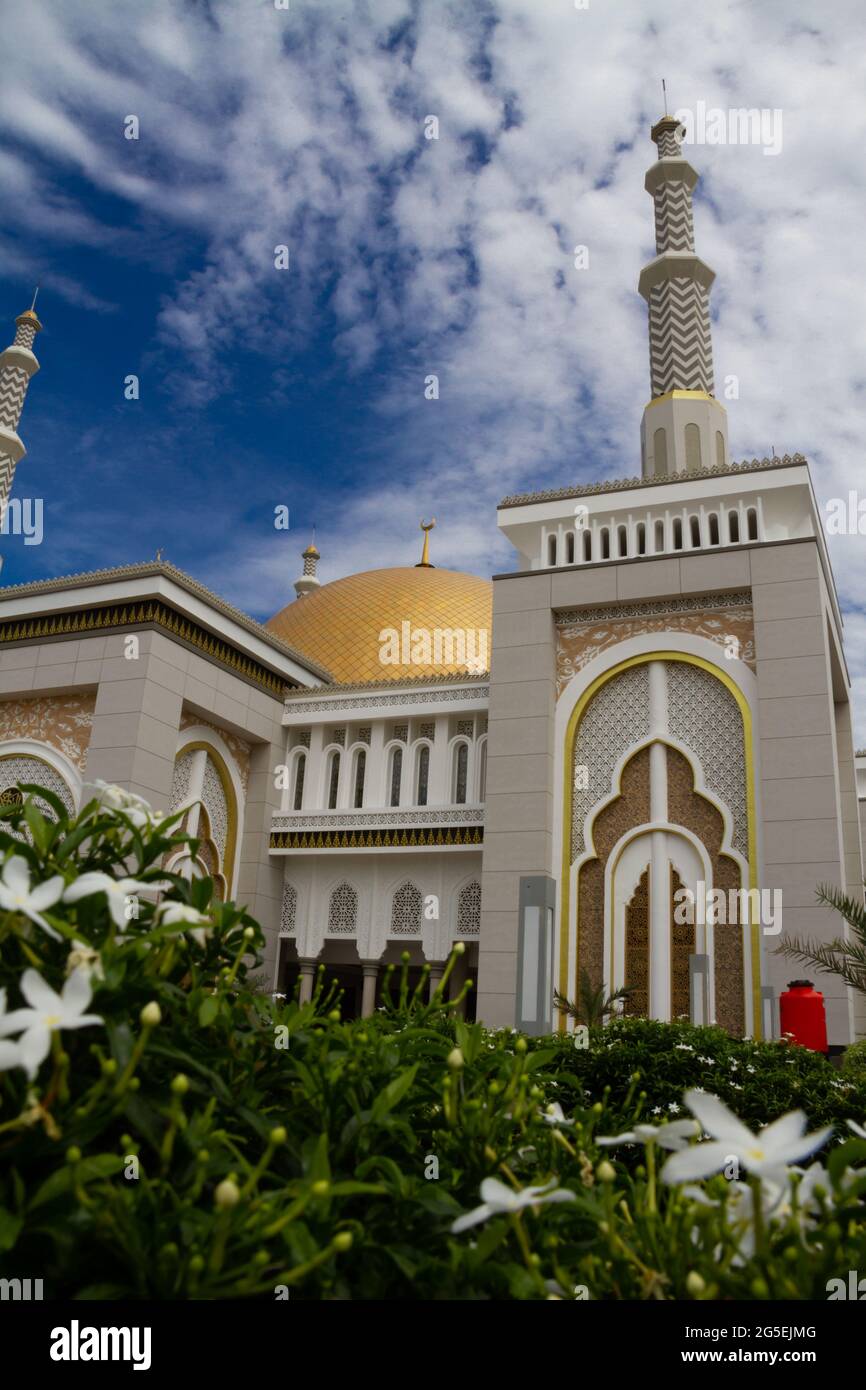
x: 17, y: 366
x: 684, y: 427
x: 308, y: 580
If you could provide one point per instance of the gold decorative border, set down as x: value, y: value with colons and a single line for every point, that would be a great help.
x: 228, y: 859
x: 570, y: 735
x: 438, y: 836
x: 148, y: 612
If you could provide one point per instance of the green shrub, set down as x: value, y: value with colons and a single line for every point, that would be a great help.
x: 760, y: 1081
x: 854, y: 1062
x: 197, y: 1138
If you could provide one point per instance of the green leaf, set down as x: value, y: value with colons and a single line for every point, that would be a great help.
x: 208, y: 1011
x: 534, y: 1060
x: 10, y: 1225
x: 100, y: 1166
x: 847, y: 1154
x: 392, y: 1094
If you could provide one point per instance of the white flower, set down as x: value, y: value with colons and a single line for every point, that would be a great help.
x: 673, y: 1107
x: 656, y: 1110
x: 554, y: 1115
x: 48, y: 1012
x: 498, y: 1199
x: 710, y: 1061
x: 766, y: 1155
x: 135, y: 808
x: 683, y: 1047
x: 16, y: 894
x: 859, y: 1130
x: 670, y: 1136
x: 116, y: 890
x: 10, y: 1053
x: 181, y: 914
x: 83, y: 957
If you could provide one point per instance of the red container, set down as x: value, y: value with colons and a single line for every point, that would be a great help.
x: 801, y: 1011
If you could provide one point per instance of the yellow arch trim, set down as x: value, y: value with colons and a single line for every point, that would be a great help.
x: 228, y: 859
x: 568, y: 806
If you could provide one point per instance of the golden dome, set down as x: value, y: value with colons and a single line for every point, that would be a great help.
x: 382, y: 625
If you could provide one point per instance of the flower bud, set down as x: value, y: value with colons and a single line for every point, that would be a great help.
x: 455, y: 1059
x: 605, y: 1172
x: 196, y: 1264
x: 227, y: 1194
x: 520, y: 1045
x: 459, y: 948
x: 279, y: 1135
x: 249, y: 933
x: 73, y: 1154
x: 343, y: 1241
x: 695, y: 1284
x: 334, y: 1015
x: 151, y: 1014
x: 180, y: 1084
x: 321, y: 1188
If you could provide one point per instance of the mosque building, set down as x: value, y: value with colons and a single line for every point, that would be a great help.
x: 651, y: 709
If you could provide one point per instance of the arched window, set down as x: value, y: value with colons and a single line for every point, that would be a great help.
x: 406, y: 911
x: 423, y: 775
x: 605, y: 543
x: 678, y: 533
x: 300, y: 772
x: 622, y: 540
x: 587, y: 545
x: 693, y: 448
x: 695, y: 529
x: 720, y: 449
x: 714, y: 529
x: 734, y: 527
x: 660, y: 451
x: 469, y: 909
x: 752, y: 524
x: 360, y: 769
x: 569, y: 548
x: 333, y: 779
x: 289, y: 910
x: 660, y: 537
x: 551, y: 550
x: 641, y: 538
x: 461, y: 768
x: 343, y: 910
x: 396, y: 774
x: 482, y: 770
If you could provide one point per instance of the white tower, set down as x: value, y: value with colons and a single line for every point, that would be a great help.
x: 17, y: 365
x: 684, y: 428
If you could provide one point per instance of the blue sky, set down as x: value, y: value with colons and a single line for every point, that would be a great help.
x: 408, y: 257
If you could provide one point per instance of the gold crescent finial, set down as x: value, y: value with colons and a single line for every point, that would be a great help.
x: 426, y: 527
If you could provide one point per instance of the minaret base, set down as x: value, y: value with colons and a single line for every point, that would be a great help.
x: 682, y: 432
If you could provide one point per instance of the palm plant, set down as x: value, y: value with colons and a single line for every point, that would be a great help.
x: 845, y: 958
x: 593, y: 1004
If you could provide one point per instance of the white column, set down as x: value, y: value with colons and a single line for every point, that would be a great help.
x: 438, y: 790
x: 368, y: 994
x: 308, y: 972
x: 377, y: 772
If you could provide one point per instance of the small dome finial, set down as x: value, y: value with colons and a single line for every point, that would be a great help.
x: 424, y: 562
x: 308, y: 581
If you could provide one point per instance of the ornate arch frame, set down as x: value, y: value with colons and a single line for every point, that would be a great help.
x: 706, y: 658
x: 52, y: 757
x: 197, y: 737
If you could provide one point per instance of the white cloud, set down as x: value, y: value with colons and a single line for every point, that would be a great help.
x: 306, y: 127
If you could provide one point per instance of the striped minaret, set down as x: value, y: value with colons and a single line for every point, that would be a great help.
x: 17, y: 365
x: 684, y: 427
x: 308, y: 580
